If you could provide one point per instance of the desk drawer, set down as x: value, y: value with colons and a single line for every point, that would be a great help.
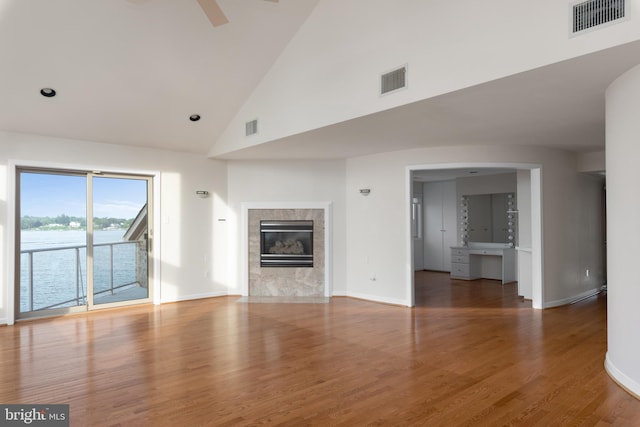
x: 459, y: 252
x: 460, y: 270
x: 460, y: 259
x: 495, y: 252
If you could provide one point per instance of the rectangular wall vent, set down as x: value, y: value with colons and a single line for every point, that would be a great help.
x: 393, y: 80
x: 251, y: 128
x: 591, y: 13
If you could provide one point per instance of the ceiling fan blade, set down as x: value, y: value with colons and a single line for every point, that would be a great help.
x: 213, y: 12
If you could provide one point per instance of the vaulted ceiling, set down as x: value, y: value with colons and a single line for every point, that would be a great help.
x: 132, y: 72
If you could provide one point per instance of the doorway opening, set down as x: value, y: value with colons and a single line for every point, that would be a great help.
x: 447, y: 216
x: 82, y: 241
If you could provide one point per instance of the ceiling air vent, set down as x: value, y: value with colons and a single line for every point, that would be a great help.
x: 251, y: 128
x: 592, y: 13
x: 393, y: 80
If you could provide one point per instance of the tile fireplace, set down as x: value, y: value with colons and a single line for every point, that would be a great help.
x: 287, y: 251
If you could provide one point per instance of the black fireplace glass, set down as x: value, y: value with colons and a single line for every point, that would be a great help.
x: 286, y: 243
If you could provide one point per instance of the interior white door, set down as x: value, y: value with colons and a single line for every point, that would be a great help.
x: 440, y: 224
x: 433, y: 244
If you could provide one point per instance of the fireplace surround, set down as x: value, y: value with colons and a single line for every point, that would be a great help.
x: 313, y: 280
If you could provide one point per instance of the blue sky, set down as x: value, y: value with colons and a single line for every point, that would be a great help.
x: 52, y: 195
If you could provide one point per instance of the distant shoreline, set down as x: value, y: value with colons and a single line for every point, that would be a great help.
x: 67, y: 228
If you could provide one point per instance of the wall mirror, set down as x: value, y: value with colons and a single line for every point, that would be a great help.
x: 489, y: 218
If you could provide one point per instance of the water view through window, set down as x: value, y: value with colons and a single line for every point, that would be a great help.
x: 67, y: 261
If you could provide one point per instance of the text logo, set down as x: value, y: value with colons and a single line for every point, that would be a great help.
x: 34, y: 415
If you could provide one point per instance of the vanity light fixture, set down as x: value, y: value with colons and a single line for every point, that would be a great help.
x: 47, y: 92
x: 194, y: 117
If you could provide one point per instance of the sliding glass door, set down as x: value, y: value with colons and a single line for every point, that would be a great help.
x: 52, y: 251
x: 119, y: 248
x: 82, y: 241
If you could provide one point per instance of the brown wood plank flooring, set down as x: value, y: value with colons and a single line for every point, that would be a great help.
x: 470, y: 353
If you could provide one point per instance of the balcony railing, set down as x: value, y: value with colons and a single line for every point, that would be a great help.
x: 80, y: 287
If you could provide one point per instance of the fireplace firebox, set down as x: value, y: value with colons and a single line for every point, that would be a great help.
x: 286, y: 243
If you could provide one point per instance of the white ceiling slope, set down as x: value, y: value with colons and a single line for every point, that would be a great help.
x: 560, y: 105
x: 133, y: 71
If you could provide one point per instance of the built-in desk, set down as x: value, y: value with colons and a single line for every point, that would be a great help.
x: 484, y: 261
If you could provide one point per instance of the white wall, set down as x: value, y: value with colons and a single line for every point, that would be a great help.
x: 369, y: 235
x: 330, y: 70
x: 593, y: 161
x: 376, y: 225
x: 591, y: 212
x: 193, y: 247
x: 501, y: 183
x: 288, y: 181
x: 523, y: 244
x: 623, y: 251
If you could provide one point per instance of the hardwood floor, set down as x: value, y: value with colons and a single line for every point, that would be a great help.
x: 471, y: 353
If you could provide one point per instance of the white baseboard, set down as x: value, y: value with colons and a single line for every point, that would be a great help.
x: 373, y: 298
x: 570, y: 300
x: 234, y: 292
x: 631, y: 386
x: 196, y: 296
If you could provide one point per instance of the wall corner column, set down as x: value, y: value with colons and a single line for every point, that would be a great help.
x: 623, y: 230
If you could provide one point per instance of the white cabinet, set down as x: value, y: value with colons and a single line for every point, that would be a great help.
x: 440, y: 224
x: 461, y: 267
x: 487, y: 260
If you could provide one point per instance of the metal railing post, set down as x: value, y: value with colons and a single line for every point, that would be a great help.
x: 111, y: 268
x: 77, y: 276
x: 30, y: 281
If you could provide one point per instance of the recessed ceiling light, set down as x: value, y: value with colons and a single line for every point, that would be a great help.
x: 48, y: 92
x: 194, y: 117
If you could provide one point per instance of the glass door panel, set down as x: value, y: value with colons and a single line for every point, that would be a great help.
x: 73, y: 255
x: 51, y: 235
x: 119, y: 236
